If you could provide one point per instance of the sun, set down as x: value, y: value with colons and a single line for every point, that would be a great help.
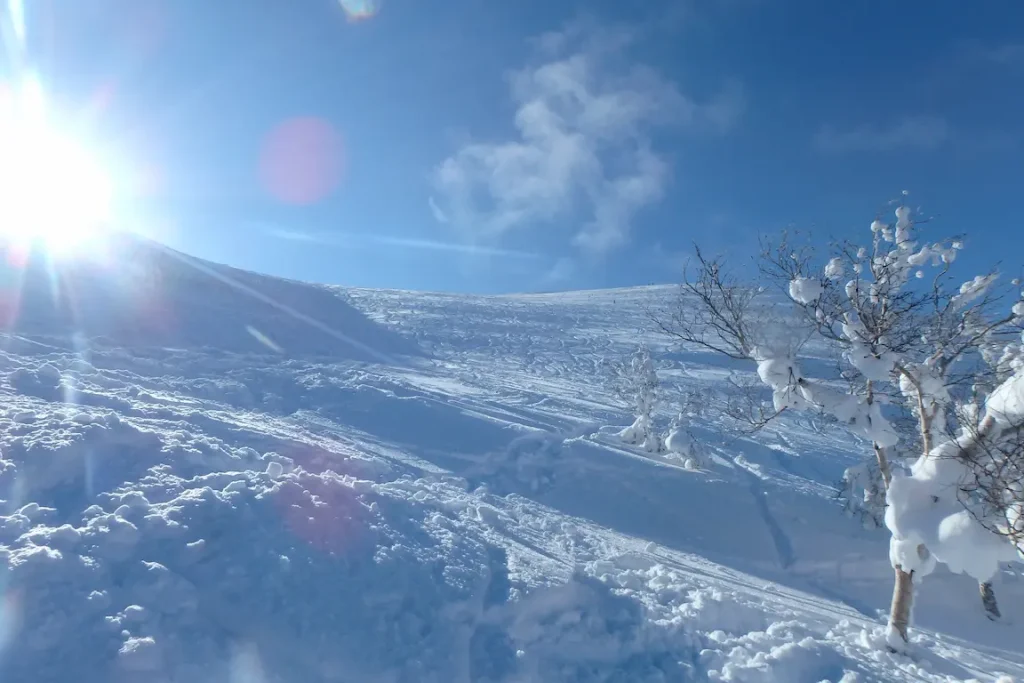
x: 53, y: 190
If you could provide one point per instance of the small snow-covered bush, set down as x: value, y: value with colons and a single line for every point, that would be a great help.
x: 640, y: 388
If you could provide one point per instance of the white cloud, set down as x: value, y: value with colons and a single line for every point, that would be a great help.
x: 916, y: 132
x: 582, y: 155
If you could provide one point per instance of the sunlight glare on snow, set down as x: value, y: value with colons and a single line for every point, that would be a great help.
x: 52, y: 189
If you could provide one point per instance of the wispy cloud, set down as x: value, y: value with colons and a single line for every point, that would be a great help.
x: 562, y: 272
x: 436, y: 211
x: 348, y: 240
x: 582, y: 155
x: 1011, y: 54
x: 292, y: 235
x: 667, y: 260
x: 923, y: 132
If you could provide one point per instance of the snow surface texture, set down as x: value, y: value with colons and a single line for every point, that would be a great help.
x: 439, y: 494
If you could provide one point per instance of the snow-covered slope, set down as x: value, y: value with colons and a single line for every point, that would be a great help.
x: 135, y: 293
x: 434, y: 495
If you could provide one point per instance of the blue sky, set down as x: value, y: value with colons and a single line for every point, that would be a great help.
x: 487, y: 146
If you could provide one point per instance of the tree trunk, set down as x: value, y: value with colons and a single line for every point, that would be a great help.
x: 902, y: 601
x: 988, y: 601
x: 883, y: 465
x: 880, y: 455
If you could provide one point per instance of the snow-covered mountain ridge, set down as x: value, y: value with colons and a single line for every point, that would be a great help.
x: 226, y: 476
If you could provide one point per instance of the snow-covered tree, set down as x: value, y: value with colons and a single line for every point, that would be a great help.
x: 928, y: 349
x: 640, y: 387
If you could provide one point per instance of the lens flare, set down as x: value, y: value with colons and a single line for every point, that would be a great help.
x: 358, y: 10
x: 16, y: 10
x: 302, y: 161
x: 10, y: 618
x: 263, y: 339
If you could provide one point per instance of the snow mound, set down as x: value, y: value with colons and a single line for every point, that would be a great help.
x: 582, y: 631
x: 730, y: 637
x: 529, y: 464
x: 175, y: 573
x: 136, y: 293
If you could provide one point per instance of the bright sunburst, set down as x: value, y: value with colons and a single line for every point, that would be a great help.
x: 52, y: 189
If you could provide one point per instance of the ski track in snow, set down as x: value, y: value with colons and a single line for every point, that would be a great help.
x: 458, y: 515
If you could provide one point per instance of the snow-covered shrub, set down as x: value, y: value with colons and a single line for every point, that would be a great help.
x: 681, y: 444
x: 680, y: 441
x: 640, y: 388
x: 937, y: 354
